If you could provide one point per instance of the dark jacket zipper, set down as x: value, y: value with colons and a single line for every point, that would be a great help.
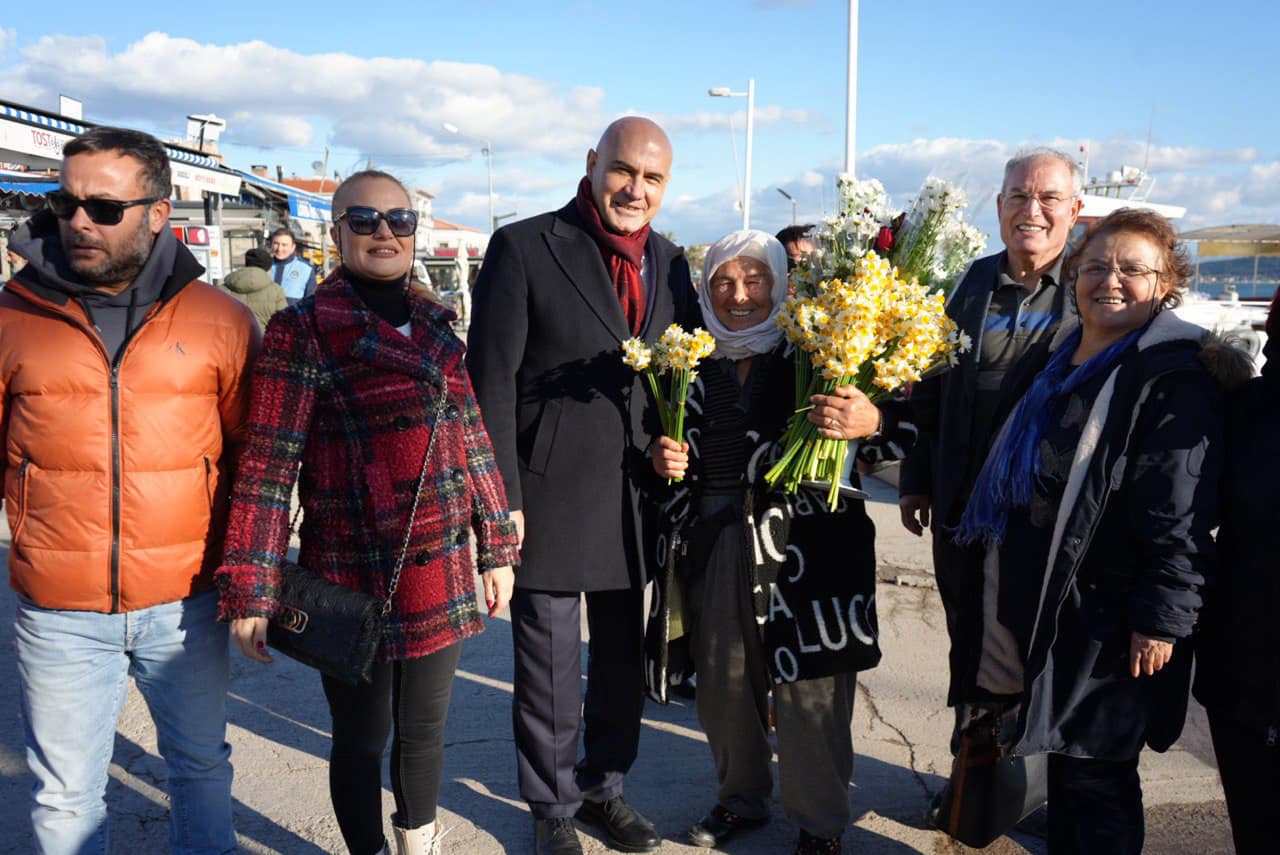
x: 116, y: 465
x: 22, y: 497
x: 208, y: 483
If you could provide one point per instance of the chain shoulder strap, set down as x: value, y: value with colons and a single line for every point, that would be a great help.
x: 441, y: 404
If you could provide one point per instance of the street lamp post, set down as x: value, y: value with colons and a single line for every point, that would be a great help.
x: 750, y: 95
x: 851, y: 93
x: 791, y: 199
x: 487, y: 151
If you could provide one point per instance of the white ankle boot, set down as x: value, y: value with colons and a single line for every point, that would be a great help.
x: 422, y: 840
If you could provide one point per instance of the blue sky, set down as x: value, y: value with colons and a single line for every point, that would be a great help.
x: 947, y: 87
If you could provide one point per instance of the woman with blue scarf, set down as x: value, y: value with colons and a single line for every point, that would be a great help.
x: 1096, y: 504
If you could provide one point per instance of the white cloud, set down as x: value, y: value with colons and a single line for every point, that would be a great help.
x: 1216, y: 186
x: 384, y: 106
x: 8, y: 38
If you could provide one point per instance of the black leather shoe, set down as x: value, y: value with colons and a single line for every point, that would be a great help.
x: 556, y: 837
x: 810, y: 845
x: 721, y: 824
x: 623, y: 826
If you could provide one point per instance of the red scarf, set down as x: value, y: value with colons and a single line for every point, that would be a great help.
x: 622, y: 255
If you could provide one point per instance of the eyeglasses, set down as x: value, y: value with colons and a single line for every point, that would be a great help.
x: 363, y: 220
x: 1017, y: 200
x: 1096, y: 271
x: 104, y: 212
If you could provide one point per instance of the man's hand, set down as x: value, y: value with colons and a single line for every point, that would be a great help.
x: 498, y: 584
x: 250, y: 635
x: 517, y: 517
x: 1148, y: 655
x: 845, y: 414
x: 670, y: 458
x: 912, y: 506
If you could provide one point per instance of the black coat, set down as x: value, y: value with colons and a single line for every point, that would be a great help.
x: 812, y: 572
x: 943, y: 404
x: 1132, y: 550
x: 568, y: 420
x: 1238, y: 646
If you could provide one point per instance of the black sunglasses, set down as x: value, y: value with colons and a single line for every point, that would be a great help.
x: 104, y: 212
x: 365, y: 221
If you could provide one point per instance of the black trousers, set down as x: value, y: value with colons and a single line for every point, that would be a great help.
x: 412, y: 695
x: 1250, y: 771
x: 545, y: 628
x: 1095, y: 806
x: 958, y: 572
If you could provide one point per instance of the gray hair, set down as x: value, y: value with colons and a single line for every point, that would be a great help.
x: 1025, y: 155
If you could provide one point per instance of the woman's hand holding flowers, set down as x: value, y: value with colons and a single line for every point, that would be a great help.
x: 846, y: 414
x: 670, y: 458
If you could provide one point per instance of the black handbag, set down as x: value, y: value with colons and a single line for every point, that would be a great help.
x: 990, y: 790
x: 328, y: 626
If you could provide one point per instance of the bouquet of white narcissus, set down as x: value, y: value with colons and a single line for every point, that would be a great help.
x: 863, y: 310
x: 929, y: 241
x: 872, y: 328
x: 671, y: 363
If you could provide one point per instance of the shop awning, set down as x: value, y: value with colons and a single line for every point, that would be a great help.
x: 302, y: 205
x: 1242, y: 241
x: 25, y: 187
x: 35, y: 138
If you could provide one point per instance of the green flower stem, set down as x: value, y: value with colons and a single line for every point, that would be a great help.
x: 664, y: 411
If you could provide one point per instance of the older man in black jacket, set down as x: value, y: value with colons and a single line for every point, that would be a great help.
x: 556, y: 297
x: 1010, y: 304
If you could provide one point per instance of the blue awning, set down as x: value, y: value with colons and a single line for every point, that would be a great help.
x: 302, y: 205
x: 26, y: 188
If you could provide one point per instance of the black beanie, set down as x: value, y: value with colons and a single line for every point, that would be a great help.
x: 258, y: 257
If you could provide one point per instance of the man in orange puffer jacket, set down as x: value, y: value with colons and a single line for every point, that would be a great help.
x: 123, y: 397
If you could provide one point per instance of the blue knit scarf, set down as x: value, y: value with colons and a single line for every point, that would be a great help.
x: 1013, y: 466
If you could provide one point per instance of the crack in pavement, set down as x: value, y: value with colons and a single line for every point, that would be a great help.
x: 911, y: 749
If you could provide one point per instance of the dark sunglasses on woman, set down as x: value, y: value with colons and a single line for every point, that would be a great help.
x: 104, y: 212
x: 363, y: 220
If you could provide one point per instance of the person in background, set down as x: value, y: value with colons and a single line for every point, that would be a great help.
x: 1010, y: 304
x: 1095, y: 508
x: 796, y: 241
x: 295, y: 275
x: 1237, y: 666
x: 366, y: 348
x: 252, y: 286
x: 124, y: 391
x: 557, y: 295
x: 746, y: 611
x: 14, y: 262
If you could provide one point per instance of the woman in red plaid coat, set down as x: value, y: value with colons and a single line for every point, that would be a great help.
x: 346, y: 385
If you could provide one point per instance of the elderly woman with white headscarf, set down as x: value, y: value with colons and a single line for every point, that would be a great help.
x: 765, y: 589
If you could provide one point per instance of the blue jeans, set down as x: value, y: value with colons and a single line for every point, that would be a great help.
x: 74, y: 669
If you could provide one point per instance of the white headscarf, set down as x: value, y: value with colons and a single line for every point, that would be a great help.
x: 764, y: 336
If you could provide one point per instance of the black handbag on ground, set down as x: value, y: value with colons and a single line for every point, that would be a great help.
x: 333, y: 628
x: 990, y: 790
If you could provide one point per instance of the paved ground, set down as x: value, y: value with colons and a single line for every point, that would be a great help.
x: 279, y: 731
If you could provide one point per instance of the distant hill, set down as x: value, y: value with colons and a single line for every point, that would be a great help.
x: 1268, y: 268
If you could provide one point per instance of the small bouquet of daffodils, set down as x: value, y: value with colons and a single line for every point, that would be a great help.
x: 669, y: 367
x: 862, y: 312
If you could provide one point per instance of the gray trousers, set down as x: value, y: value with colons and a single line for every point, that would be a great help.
x: 814, y: 717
